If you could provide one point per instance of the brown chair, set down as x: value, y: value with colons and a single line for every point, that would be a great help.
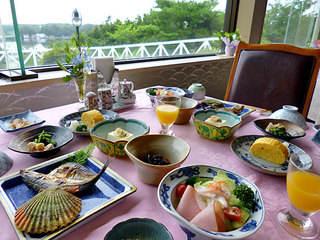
x: 272, y: 75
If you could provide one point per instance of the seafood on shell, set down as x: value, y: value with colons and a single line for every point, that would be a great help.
x: 72, y: 177
x: 49, y: 210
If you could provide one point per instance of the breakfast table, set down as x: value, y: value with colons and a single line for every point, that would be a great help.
x: 144, y: 202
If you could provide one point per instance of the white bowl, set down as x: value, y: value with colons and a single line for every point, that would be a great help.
x: 167, y: 199
x: 291, y: 114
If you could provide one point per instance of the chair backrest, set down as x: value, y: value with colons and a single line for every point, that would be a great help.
x: 272, y: 75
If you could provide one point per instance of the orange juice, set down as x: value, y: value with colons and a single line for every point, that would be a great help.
x: 304, y: 191
x: 167, y: 114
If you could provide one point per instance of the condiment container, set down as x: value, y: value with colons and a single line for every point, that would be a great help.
x: 199, y: 92
x: 91, y: 101
x: 105, y: 98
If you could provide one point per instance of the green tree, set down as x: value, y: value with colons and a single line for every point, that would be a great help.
x: 169, y: 20
x: 288, y: 22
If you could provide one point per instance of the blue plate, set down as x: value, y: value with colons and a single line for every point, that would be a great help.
x: 66, y: 120
x: 241, y: 147
x: 109, y: 190
x: 5, y: 122
x: 244, y: 112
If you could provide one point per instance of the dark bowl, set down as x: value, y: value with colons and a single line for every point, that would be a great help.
x: 294, y: 130
x: 59, y: 134
x: 139, y: 228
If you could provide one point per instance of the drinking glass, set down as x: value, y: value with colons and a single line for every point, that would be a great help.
x: 167, y: 109
x: 303, y: 187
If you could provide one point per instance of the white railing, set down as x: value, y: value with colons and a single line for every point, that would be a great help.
x: 141, y: 50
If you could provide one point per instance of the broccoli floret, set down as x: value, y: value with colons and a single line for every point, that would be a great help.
x: 152, y: 92
x: 82, y: 128
x: 245, y: 195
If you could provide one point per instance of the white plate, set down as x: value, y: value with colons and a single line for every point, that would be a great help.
x: 241, y: 147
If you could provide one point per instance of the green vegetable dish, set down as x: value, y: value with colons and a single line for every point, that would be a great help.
x: 45, y: 138
x: 277, y: 130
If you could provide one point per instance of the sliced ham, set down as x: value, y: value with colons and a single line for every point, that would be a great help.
x: 211, y: 218
x: 190, y: 204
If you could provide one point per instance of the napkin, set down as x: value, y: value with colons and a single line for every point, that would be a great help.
x: 105, y: 65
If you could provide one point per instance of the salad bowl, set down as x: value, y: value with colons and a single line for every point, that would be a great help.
x: 168, y: 201
x: 154, y: 92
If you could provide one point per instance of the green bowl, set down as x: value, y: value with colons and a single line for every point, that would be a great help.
x: 212, y: 132
x: 99, y: 134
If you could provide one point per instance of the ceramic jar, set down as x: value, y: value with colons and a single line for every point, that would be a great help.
x: 291, y: 114
x: 230, y: 50
x: 199, y: 92
x: 91, y: 101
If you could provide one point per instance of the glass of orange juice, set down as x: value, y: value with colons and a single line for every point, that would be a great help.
x: 167, y: 109
x: 303, y: 187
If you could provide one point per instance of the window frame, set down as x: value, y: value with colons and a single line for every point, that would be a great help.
x: 229, y: 25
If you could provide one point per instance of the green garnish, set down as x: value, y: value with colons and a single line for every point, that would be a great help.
x: 279, y: 131
x: 246, y: 196
x: 80, y: 156
x: 45, y: 138
x: 82, y: 128
x: 152, y: 92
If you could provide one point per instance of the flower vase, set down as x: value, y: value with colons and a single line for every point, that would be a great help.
x: 80, y: 84
x: 230, y: 50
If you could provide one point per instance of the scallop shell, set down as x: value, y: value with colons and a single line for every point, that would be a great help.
x: 48, y: 211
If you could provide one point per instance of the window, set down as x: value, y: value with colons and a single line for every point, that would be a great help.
x: 294, y: 22
x: 125, y: 29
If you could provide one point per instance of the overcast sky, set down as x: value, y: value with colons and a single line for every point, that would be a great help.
x: 60, y: 11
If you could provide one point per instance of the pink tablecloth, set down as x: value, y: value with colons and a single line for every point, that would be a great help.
x: 144, y: 203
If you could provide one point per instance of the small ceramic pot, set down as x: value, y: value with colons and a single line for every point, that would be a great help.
x: 199, y: 92
x: 230, y: 50
x: 291, y: 114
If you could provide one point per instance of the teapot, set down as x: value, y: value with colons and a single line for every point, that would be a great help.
x: 125, y: 92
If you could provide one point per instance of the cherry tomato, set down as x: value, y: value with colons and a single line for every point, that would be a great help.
x: 232, y: 213
x: 180, y: 190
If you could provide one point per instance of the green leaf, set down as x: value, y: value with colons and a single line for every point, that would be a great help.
x: 66, y: 78
x: 61, y: 66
